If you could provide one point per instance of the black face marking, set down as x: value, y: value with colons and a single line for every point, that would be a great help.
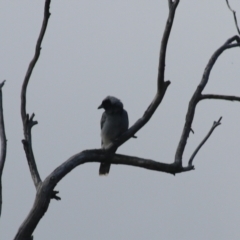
x: 106, y: 104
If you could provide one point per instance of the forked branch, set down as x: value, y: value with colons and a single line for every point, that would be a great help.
x: 27, y: 121
x: 197, y: 96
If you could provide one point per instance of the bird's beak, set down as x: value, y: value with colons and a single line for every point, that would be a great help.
x: 100, y: 107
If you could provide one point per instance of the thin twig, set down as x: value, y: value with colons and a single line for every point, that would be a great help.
x: 3, y: 144
x: 28, y: 122
x: 197, y: 96
x: 163, y: 49
x: 220, y: 97
x: 234, y: 16
x: 215, y: 124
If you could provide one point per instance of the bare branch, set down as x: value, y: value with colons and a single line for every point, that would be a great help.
x: 28, y: 123
x: 198, y: 94
x: 35, y: 58
x: 3, y: 144
x: 234, y: 16
x: 215, y: 124
x: 162, y: 85
x: 220, y: 97
x: 45, y: 189
x: 163, y: 49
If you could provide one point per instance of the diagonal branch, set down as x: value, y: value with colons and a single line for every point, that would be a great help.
x: 220, y: 97
x: 215, y: 124
x: 234, y: 16
x: 198, y: 94
x: 28, y: 122
x: 161, y: 84
x: 3, y: 144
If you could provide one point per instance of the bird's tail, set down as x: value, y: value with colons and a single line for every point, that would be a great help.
x: 104, y: 168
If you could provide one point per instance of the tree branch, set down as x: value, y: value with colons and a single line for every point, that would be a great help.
x: 161, y: 84
x: 215, y: 124
x: 198, y: 95
x: 163, y: 49
x: 220, y: 97
x: 45, y: 189
x: 3, y: 144
x: 234, y: 16
x: 28, y: 123
x: 44, y: 192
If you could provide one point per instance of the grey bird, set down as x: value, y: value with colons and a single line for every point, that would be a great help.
x: 114, y: 123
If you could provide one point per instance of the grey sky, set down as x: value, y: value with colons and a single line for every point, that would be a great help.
x: 97, y: 48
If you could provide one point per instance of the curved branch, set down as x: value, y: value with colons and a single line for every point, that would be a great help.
x: 44, y: 192
x: 28, y: 122
x: 197, y: 96
x: 215, y: 124
x: 3, y: 144
x: 99, y: 155
x: 161, y: 84
x: 34, y: 60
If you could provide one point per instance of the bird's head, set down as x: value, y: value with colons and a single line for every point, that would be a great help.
x: 111, y: 103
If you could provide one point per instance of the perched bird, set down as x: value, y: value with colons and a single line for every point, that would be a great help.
x: 114, y: 123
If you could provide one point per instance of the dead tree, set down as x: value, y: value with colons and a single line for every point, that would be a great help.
x: 45, y: 188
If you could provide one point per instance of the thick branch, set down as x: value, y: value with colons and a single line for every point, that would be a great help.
x: 3, y: 144
x: 198, y: 94
x: 220, y: 97
x: 234, y: 16
x: 28, y: 123
x: 44, y: 192
x: 215, y: 124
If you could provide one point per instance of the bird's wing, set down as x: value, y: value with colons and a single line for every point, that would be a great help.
x: 125, y: 123
x: 103, y: 119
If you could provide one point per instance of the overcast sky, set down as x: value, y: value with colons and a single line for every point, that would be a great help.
x: 97, y: 48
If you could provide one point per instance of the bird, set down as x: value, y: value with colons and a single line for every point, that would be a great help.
x: 114, y: 123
